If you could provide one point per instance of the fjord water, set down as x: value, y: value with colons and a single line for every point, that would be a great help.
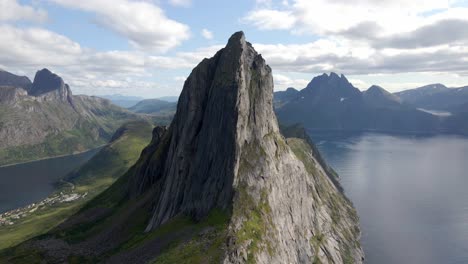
x: 30, y: 182
x: 410, y: 193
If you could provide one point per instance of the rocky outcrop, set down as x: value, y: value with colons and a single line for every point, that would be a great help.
x: 50, y: 86
x: 224, y: 151
x: 11, y: 94
x: 45, y: 119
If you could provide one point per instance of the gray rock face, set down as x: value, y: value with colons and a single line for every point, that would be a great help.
x: 46, y: 115
x: 224, y: 150
x: 50, y: 86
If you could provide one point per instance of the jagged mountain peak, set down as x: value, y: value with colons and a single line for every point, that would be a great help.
x: 333, y: 79
x: 50, y: 85
x: 329, y: 89
x: 214, y: 111
x: 224, y: 151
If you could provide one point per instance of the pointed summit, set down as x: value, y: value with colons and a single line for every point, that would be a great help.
x: 236, y: 38
x: 215, y: 116
x: 223, y: 151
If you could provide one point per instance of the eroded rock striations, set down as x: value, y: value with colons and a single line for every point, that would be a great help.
x: 224, y: 151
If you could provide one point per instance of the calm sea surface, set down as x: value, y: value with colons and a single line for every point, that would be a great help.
x: 30, y: 182
x: 411, y: 194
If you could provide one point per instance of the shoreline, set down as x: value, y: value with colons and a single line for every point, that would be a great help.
x: 54, y: 157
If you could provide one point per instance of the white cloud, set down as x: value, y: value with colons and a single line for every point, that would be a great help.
x: 362, y: 85
x: 268, y: 19
x: 150, y: 29
x: 282, y: 82
x: 33, y: 46
x: 11, y: 10
x: 366, y: 36
x: 95, y: 72
x: 207, y: 34
x: 181, y: 3
x: 325, y: 16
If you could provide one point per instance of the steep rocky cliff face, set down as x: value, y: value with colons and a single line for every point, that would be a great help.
x: 221, y: 184
x: 45, y: 119
x: 50, y: 86
x: 224, y: 151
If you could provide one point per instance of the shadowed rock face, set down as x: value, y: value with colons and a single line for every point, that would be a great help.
x: 202, y: 144
x: 224, y: 150
x: 51, y: 85
x: 11, y: 80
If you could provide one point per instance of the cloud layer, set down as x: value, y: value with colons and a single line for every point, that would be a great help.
x: 366, y: 37
x: 10, y: 10
x: 144, y: 24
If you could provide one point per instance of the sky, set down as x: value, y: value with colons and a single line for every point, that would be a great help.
x: 148, y: 48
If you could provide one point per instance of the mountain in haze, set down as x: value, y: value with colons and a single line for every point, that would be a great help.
x: 11, y: 80
x: 281, y: 97
x: 154, y: 106
x: 171, y: 99
x: 377, y: 96
x: 122, y: 100
x: 458, y: 120
x: 219, y: 185
x: 331, y: 102
x: 43, y: 118
x: 130, y: 101
x: 435, y: 97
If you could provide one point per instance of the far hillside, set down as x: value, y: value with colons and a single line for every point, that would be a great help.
x: 436, y: 97
x: 43, y: 118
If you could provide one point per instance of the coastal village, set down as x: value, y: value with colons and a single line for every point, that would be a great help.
x: 11, y: 217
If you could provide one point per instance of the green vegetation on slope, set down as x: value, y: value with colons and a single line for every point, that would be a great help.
x: 33, y: 129
x: 64, y: 143
x: 92, y: 178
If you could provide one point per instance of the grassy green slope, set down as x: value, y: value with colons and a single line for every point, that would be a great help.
x: 92, y: 178
x: 37, y: 130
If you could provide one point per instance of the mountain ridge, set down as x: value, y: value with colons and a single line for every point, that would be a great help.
x: 220, y: 182
x: 46, y: 120
x: 337, y: 105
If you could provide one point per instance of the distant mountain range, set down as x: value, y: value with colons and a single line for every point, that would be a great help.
x: 130, y: 101
x: 154, y: 106
x: 331, y: 102
x: 122, y: 100
x: 43, y: 118
x: 436, y: 97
